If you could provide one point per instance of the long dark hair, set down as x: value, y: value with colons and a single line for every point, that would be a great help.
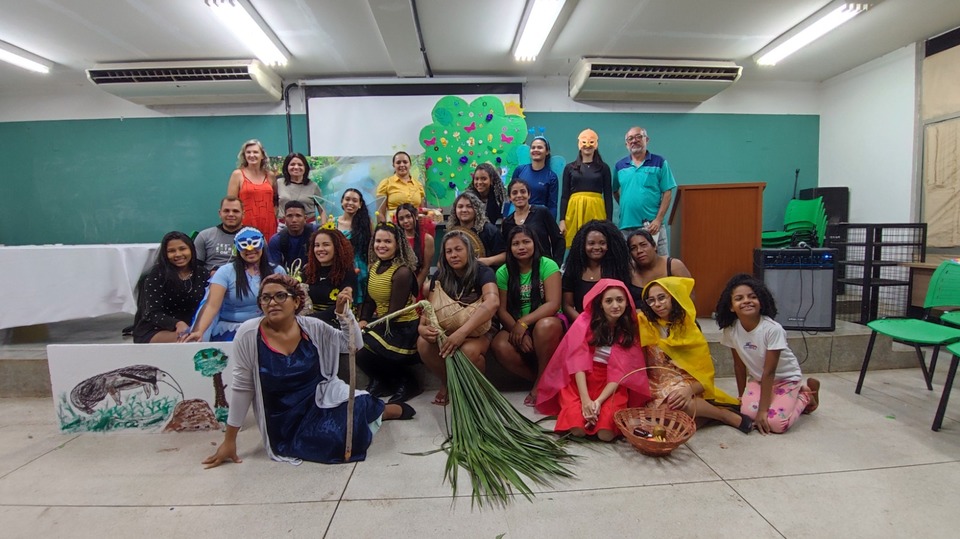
x: 286, y: 165
x: 513, y: 274
x: 453, y: 285
x: 677, y: 314
x: 614, y: 264
x: 624, y: 332
x: 496, y: 184
x: 240, y: 267
x: 579, y: 162
x: 726, y: 317
x: 360, y: 225
x: 417, y: 235
x: 342, y: 264
x: 168, y: 271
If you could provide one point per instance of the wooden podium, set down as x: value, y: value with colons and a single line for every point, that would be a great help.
x: 714, y: 229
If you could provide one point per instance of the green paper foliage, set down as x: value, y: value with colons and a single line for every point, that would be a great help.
x: 462, y: 136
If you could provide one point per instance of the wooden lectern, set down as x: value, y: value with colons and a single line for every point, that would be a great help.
x: 714, y: 229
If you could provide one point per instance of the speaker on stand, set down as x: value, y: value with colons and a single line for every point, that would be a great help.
x: 802, y: 283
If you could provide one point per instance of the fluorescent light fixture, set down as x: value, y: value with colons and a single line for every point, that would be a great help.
x: 825, y: 20
x: 246, y: 24
x: 540, y: 19
x: 24, y: 59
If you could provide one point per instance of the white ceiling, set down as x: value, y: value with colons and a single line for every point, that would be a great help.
x: 360, y: 38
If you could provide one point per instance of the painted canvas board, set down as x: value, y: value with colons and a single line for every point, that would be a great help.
x: 144, y: 388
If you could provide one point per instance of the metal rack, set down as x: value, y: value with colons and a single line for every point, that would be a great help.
x: 872, y: 267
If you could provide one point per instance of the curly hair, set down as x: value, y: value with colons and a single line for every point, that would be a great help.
x: 285, y: 169
x: 613, y: 265
x: 360, y: 224
x: 168, y: 271
x: 496, y: 184
x: 481, y: 215
x: 725, y: 315
x: 417, y: 234
x: 289, y: 284
x: 342, y: 264
x: 513, y: 274
x: 242, y: 159
x: 677, y: 314
x: 452, y: 285
x: 404, y: 253
x: 624, y: 332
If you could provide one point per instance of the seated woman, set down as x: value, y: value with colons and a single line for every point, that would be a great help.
x: 171, y: 292
x: 232, y: 295
x: 356, y: 226
x: 537, y: 218
x: 595, y: 370
x: 529, y: 286
x: 420, y: 241
x: 646, y: 265
x: 598, y: 252
x: 329, y: 272
x: 390, y: 350
x: 683, y: 379
x: 286, y: 366
x: 464, y: 294
x: 488, y: 186
x: 468, y: 212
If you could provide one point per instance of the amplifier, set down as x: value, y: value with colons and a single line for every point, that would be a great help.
x: 802, y: 283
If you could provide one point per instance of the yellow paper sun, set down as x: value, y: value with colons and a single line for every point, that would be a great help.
x: 513, y: 108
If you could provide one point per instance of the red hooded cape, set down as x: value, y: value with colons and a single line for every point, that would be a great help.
x: 576, y: 355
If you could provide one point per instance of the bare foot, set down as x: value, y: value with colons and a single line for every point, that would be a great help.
x: 441, y: 399
x: 814, y: 386
x: 530, y: 400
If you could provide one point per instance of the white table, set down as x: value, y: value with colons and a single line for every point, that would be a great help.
x: 51, y: 283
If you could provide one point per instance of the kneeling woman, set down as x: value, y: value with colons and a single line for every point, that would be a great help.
x: 529, y: 286
x: 596, y: 369
x: 171, y: 292
x: 286, y: 365
x: 683, y: 379
x: 329, y: 272
x: 464, y: 294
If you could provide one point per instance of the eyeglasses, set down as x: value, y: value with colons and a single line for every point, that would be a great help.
x: 637, y: 138
x: 279, y: 297
x: 662, y: 298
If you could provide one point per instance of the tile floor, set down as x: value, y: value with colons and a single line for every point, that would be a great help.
x: 862, y: 466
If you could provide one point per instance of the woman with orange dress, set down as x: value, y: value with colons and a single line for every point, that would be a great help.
x: 256, y: 185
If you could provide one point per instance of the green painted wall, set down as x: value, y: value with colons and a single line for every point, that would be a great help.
x: 124, y: 180
x: 705, y: 148
x: 132, y: 180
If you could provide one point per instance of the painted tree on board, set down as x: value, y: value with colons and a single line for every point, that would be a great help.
x: 210, y: 362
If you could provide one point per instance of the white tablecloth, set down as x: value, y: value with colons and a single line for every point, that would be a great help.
x: 51, y: 283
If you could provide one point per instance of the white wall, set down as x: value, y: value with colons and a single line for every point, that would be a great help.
x: 868, y: 134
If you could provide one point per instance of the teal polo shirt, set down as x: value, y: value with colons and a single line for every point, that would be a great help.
x: 641, y: 188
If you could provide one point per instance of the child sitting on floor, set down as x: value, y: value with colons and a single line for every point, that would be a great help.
x: 584, y: 382
x: 773, y: 395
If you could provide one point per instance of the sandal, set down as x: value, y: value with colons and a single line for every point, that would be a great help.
x: 530, y: 400
x: 746, y: 424
x: 442, y: 399
x: 814, y: 385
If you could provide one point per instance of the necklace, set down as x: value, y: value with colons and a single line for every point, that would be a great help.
x: 187, y: 283
x: 520, y: 220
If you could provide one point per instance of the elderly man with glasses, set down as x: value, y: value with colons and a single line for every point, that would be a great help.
x: 643, y: 186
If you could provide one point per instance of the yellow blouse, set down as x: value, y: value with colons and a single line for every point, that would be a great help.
x: 398, y: 192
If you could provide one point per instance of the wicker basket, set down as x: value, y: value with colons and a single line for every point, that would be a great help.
x: 678, y: 425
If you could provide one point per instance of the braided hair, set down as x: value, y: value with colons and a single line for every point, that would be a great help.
x: 615, y: 262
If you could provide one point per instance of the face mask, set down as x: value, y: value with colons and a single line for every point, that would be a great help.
x: 248, y: 239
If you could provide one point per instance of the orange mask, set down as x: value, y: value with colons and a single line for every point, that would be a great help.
x: 587, y: 139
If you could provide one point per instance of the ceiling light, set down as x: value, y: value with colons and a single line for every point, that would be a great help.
x: 246, y: 24
x: 24, y: 59
x: 825, y: 20
x: 541, y: 16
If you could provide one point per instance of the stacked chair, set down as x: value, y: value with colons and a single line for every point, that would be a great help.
x: 804, y: 221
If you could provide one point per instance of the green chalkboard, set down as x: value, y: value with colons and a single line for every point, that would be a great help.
x: 124, y: 180
x: 704, y: 148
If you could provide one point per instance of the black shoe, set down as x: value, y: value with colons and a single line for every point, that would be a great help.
x: 746, y: 424
x: 406, y: 390
x: 407, y: 411
x: 376, y: 388
x: 127, y: 331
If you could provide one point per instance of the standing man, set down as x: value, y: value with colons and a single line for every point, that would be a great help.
x: 290, y: 244
x: 643, y: 185
x: 215, y: 244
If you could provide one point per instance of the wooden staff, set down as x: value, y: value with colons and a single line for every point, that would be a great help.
x: 352, y: 355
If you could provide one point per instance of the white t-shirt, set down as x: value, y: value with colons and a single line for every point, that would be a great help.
x: 752, y: 348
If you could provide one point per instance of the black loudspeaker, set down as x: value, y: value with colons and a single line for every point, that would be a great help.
x: 802, y: 283
x: 836, y: 202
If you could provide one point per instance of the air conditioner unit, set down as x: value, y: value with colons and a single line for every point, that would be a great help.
x: 189, y: 82
x: 631, y: 79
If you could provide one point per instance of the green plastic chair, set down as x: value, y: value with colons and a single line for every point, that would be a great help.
x: 947, y: 386
x: 944, y: 291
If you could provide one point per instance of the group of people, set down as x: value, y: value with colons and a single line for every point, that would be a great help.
x: 615, y: 327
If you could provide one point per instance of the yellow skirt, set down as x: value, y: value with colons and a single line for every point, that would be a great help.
x: 582, y: 208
